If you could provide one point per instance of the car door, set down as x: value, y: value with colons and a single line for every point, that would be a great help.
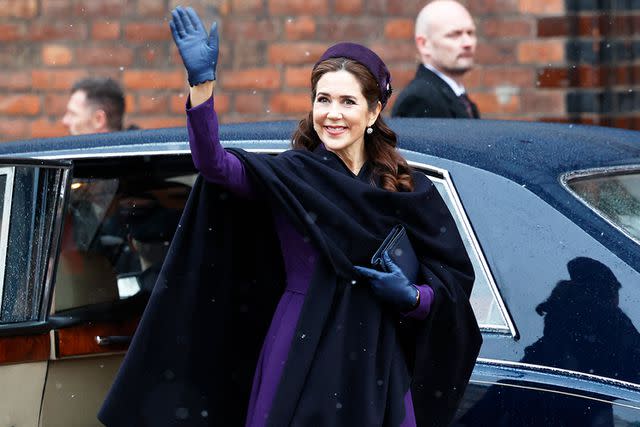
x: 558, y: 311
x: 121, y: 215
x: 573, y: 353
x: 32, y: 196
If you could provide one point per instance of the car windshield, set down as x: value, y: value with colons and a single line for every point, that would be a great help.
x: 616, y: 197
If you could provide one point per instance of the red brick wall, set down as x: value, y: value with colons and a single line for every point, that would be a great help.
x: 526, y: 66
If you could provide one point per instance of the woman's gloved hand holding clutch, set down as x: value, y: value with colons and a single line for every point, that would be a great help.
x: 392, y: 286
x: 199, y: 50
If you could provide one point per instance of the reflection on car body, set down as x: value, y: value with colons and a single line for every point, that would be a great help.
x: 584, y: 331
x: 548, y: 212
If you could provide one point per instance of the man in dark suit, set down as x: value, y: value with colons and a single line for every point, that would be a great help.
x: 96, y: 105
x: 445, y: 36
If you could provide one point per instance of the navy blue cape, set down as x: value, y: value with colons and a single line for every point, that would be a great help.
x: 352, y: 359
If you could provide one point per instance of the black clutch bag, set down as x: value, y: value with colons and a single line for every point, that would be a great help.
x: 398, y: 246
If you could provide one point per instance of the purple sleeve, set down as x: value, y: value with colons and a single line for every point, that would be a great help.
x: 214, y: 163
x: 422, y: 310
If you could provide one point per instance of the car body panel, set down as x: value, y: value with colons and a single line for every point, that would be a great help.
x: 79, y: 386
x: 21, y: 393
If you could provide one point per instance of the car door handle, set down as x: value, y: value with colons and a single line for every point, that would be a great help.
x: 113, y: 340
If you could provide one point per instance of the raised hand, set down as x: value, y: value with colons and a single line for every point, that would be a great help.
x: 391, y: 286
x: 199, y: 50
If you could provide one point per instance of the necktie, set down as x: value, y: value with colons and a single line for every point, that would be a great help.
x: 467, y: 104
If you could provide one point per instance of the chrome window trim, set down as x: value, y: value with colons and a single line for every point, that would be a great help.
x: 80, y: 156
x: 550, y: 370
x: 609, y: 170
x: 177, y: 147
x: 9, y: 171
x: 56, y: 240
x: 137, y: 150
x: 598, y: 173
x: 444, y: 174
x: 462, y: 215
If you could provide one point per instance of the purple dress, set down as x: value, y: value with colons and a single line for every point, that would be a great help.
x: 222, y: 168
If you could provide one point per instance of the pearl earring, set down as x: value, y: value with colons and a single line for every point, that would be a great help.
x: 369, y: 130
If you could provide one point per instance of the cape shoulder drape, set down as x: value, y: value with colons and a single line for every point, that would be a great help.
x: 352, y: 359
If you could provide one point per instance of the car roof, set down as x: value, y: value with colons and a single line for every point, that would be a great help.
x: 522, y: 151
x: 532, y: 154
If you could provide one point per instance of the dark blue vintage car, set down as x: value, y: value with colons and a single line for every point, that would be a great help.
x: 550, y: 214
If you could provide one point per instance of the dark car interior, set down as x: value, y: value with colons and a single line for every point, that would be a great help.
x: 120, y: 220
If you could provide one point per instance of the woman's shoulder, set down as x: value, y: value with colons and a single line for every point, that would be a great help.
x: 291, y: 159
x: 292, y: 153
x: 421, y: 182
x: 297, y: 155
x: 286, y: 155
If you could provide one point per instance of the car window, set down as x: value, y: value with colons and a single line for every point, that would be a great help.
x: 29, y: 207
x: 117, y: 231
x: 114, y: 232
x: 614, y: 196
x: 486, y: 302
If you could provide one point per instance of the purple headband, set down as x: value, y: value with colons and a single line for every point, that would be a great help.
x: 366, y: 57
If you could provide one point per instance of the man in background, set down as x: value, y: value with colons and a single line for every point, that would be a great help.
x: 445, y: 36
x: 96, y: 105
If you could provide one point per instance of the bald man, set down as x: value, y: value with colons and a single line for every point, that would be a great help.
x: 445, y: 36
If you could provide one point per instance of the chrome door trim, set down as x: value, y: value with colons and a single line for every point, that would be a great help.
x: 563, y: 393
x: 517, y: 367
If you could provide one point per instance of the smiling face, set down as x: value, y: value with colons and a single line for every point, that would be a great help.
x: 341, y: 114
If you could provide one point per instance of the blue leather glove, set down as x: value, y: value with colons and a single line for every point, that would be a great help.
x: 391, y: 286
x: 199, y: 50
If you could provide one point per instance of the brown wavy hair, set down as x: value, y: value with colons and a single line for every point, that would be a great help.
x: 380, y: 146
